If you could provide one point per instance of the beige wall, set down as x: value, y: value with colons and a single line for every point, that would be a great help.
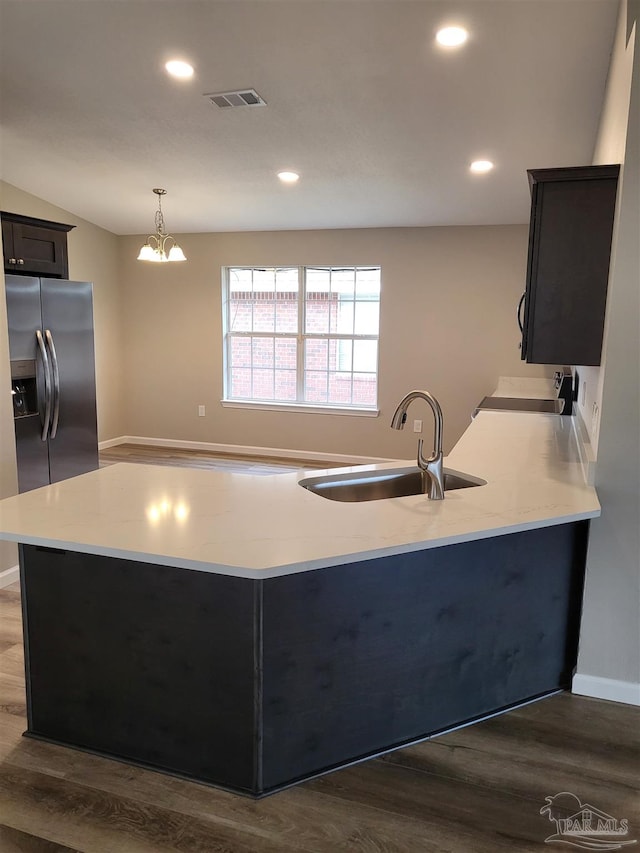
x: 93, y: 256
x: 610, y: 636
x: 448, y: 324
x: 610, y: 148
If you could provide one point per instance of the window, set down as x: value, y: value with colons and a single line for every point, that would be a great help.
x: 302, y: 336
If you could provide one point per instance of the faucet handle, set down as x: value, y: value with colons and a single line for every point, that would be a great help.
x: 433, y: 474
x: 422, y: 462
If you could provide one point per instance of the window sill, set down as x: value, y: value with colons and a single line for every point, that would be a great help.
x: 300, y: 408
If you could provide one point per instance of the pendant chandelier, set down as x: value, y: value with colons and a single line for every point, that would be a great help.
x: 155, y: 249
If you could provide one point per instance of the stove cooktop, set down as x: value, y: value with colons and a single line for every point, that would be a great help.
x: 519, y: 404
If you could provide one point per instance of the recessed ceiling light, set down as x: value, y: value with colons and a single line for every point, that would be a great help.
x: 180, y: 69
x: 452, y: 36
x: 481, y: 166
x: 288, y: 177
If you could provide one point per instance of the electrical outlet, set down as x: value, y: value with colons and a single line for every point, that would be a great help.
x: 417, y: 426
x: 201, y: 411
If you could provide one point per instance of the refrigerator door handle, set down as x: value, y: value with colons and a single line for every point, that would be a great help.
x: 47, y: 384
x: 520, y: 306
x: 56, y: 384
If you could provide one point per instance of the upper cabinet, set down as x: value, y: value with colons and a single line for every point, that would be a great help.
x: 34, y: 246
x: 570, y: 232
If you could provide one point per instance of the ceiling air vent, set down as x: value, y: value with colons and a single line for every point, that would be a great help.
x: 240, y: 98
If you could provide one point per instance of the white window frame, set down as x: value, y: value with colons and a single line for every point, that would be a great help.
x: 299, y: 405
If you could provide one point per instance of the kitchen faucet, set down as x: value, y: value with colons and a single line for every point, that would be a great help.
x: 433, y: 465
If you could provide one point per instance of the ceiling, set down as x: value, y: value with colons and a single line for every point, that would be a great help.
x: 380, y: 123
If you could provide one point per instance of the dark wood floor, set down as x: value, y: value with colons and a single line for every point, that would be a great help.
x: 177, y: 457
x: 477, y: 790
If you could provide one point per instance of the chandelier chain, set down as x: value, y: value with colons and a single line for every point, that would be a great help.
x: 160, y: 218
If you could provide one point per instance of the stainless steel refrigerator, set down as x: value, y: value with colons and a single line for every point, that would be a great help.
x: 52, y: 378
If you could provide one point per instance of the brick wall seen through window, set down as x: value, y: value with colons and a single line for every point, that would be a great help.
x: 305, y: 335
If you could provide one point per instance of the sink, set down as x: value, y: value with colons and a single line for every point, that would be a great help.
x: 388, y: 483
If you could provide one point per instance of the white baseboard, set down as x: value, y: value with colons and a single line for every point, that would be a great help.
x: 9, y: 576
x: 606, y: 688
x: 244, y: 450
x: 112, y: 442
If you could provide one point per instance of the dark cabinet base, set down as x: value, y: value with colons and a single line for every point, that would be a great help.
x: 255, y: 685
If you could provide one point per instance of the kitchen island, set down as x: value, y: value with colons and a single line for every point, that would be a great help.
x: 245, y: 632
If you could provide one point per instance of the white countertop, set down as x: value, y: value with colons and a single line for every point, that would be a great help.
x: 265, y: 526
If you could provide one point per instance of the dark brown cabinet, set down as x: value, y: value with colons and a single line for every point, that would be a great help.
x: 572, y: 212
x: 34, y: 246
x: 257, y: 684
